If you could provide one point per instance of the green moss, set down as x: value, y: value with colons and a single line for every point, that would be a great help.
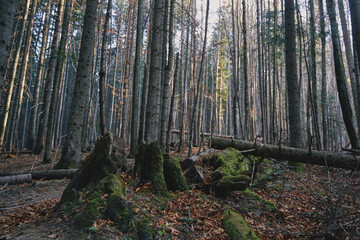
x: 143, y: 230
x: 231, y: 183
x: 173, y: 175
x: 156, y: 165
x: 270, y: 206
x: 298, y: 166
x: 91, y: 212
x: 236, y: 227
x: 119, y: 212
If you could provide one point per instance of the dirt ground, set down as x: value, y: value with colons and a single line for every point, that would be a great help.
x: 307, y: 203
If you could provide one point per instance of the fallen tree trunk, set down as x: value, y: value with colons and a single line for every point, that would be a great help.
x: 331, y: 159
x: 187, y: 163
x: 40, y: 175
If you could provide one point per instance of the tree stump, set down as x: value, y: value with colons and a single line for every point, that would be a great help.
x: 96, y: 189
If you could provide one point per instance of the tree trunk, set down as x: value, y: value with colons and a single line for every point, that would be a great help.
x: 152, y: 109
x: 20, y: 36
x: 330, y: 159
x: 7, y: 14
x: 171, y: 112
x: 71, y: 155
x: 136, y: 81
x: 340, y: 77
x: 199, y: 81
x: 323, y: 77
x: 39, y: 73
x: 103, y: 69
x: 291, y: 76
x: 353, y: 72
x: 59, y: 70
x: 50, y: 76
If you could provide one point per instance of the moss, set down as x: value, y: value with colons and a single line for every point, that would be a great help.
x: 236, y: 227
x: 96, y: 196
x: 173, y: 175
x: 119, y: 212
x: 91, y: 212
x: 156, y: 165
x: 231, y: 183
x: 270, y: 206
x: 297, y: 166
x: 144, y: 232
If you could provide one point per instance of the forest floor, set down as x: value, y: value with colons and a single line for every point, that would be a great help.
x: 308, y: 204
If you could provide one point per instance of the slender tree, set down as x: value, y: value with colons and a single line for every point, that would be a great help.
x: 136, y: 88
x: 291, y: 76
x: 103, y: 69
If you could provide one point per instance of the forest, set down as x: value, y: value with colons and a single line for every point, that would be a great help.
x: 179, y: 119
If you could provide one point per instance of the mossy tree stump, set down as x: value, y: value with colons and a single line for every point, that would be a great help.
x: 96, y: 189
x: 164, y: 175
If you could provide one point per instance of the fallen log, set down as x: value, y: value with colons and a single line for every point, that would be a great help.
x: 40, y: 175
x: 16, y: 179
x: 331, y: 159
x: 53, y: 174
x: 187, y: 163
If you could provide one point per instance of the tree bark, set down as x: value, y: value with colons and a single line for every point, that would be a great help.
x: 39, y: 77
x: 20, y: 36
x: 153, y: 101
x: 340, y: 77
x: 103, y: 69
x: 57, y: 82
x: 136, y: 82
x: 291, y: 76
x: 7, y: 14
x: 71, y: 155
x: 330, y: 159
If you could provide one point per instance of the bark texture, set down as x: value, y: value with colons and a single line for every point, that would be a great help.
x: 71, y: 155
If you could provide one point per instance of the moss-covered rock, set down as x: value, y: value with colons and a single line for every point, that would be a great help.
x: 173, y: 175
x: 236, y: 227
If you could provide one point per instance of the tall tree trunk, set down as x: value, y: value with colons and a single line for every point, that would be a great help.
x: 171, y: 118
x: 71, y: 154
x: 353, y: 72
x: 20, y: 36
x: 191, y: 133
x: 247, y: 132
x: 314, y: 75
x: 103, y: 69
x: 291, y: 76
x: 340, y: 77
x: 136, y: 85
x: 22, y: 76
x: 7, y: 14
x: 324, y: 106
x: 168, y: 69
x: 50, y: 75
x: 39, y: 77
x: 152, y: 108
x: 59, y: 70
